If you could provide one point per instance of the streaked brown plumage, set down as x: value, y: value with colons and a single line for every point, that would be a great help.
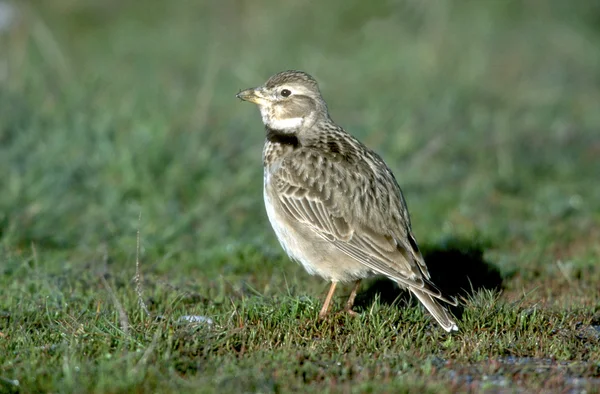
x: 334, y: 204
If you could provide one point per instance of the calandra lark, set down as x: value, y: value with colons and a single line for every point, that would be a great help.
x: 334, y: 204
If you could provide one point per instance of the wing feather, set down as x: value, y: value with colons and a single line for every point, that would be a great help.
x: 371, y: 228
x: 327, y: 207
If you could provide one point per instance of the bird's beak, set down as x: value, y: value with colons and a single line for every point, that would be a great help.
x: 254, y: 95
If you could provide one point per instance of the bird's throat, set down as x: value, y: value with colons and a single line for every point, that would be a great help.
x: 282, y: 137
x: 285, y: 123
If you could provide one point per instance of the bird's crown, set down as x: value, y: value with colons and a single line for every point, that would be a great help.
x: 292, y: 77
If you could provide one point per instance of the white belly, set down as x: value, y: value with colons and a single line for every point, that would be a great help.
x: 317, y: 255
x: 285, y: 234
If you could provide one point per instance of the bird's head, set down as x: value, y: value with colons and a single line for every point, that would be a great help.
x: 289, y: 101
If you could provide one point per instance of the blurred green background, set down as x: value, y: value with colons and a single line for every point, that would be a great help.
x: 488, y: 112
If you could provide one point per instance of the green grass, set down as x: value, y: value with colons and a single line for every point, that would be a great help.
x: 118, y: 117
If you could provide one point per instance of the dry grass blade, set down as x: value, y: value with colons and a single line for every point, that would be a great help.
x: 138, y: 274
x: 123, y: 319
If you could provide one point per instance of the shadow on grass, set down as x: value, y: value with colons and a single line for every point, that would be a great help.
x: 456, y: 267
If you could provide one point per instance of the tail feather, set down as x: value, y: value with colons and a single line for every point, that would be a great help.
x: 440, y: 313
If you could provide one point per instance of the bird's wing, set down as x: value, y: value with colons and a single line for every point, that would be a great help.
x: 329, y: 197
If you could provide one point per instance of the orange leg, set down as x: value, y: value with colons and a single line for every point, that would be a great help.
x: 350, y: 302
x: 325, y: 307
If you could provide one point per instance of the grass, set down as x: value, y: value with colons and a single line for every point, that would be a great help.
x: 117, y: 117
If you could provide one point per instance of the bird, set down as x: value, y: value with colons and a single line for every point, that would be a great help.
x: 334, y: 204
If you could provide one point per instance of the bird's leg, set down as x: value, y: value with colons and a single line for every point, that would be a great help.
x: 325, y: 307
x: 350, y: 302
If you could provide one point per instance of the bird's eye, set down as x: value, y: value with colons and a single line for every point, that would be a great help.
x: 285, y: 92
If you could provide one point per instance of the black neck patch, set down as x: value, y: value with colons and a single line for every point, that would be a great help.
x: 279, y: 137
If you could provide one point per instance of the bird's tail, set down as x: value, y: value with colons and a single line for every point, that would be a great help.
x: 440, y: 313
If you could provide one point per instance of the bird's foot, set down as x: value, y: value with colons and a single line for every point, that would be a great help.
x: 351, y: 312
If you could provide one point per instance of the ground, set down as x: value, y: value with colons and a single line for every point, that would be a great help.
x: 135, y: 253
